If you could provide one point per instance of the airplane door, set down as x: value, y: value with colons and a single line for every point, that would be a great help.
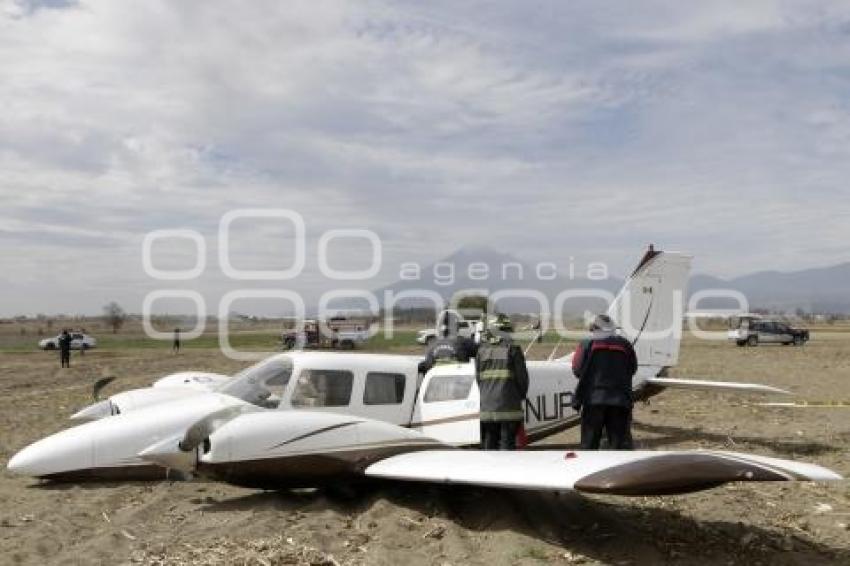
x: 447, y: 405
x: 387, y: 396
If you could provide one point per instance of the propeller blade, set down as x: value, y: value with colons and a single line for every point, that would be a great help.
x: 95, y: 411
x: 99, y: 385
x: 168, y: 454
x: 196, y: 433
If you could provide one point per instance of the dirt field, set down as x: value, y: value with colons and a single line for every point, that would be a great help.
x: 196, y: 522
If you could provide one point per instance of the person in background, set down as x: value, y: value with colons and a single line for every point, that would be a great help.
x: 65, y: 349
x: 175, y: 347
x: 502, y: 378
x: 604, y: 364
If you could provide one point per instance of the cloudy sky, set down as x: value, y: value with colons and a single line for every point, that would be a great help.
x: 547, y: 130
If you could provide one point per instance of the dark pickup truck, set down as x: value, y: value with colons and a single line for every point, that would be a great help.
x: 752, y: 332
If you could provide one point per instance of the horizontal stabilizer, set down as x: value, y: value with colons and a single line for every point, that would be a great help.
x: 810, y: 405
x: 704, y: 385
x: 614, y: 472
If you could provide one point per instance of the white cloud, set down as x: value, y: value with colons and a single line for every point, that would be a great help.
x: 556, y: 129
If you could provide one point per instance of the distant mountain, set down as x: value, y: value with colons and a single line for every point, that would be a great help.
x: 813, y: 290
x: 824, y: 289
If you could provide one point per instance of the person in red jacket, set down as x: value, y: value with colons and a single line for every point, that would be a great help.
x: 604, y: 365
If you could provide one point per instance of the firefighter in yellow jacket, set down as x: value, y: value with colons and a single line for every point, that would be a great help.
x: 503, y: 384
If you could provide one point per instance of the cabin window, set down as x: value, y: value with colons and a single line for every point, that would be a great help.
x: 384, y: 388
x: 448, y: 388
x: 323, y: 388
x: 275, y: 382
x: 261, y: 384
x: 280, y: 378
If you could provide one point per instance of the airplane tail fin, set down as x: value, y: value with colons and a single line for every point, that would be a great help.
x: 649, y: 311
x: 650, y: 307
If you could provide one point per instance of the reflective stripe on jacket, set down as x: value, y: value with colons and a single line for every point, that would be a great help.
x: 502, y: 381
x: 604, y: 368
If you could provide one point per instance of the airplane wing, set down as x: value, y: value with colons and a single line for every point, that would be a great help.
x: 611, y: 472
x: 719, y: 386
x: 271, y: 449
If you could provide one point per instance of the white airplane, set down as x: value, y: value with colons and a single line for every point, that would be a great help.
x: 357, y: 415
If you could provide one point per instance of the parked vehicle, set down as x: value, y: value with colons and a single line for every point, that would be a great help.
x: 752, y: 330
x: 466, y: 328
x: 79, y: 341
x: 344, y: 335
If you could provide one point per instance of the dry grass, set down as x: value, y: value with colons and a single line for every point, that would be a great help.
x: 196, y: 522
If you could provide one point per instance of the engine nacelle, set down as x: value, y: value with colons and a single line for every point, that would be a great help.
x: 277, y: 449
x: 175, y: 386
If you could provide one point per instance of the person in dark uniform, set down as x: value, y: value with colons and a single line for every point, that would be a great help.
x: 175, y: 347
x: 450, y: 348
x: 65, y: 349
x: 604, y: 364
x: 503, y: 384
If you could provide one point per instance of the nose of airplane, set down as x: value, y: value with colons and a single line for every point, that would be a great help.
x: 70, y: 449
x: 24, y: 462
x: 95, y: 411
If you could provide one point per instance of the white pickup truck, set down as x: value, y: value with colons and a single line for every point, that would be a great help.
x: 334, y: 336
x: 466, y: 328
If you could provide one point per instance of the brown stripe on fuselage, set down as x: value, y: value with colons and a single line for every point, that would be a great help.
x: 533, y: 434
x: 675, y: 473
x: 313, y: 433
x: 542, y: 431
x: 446, y: 420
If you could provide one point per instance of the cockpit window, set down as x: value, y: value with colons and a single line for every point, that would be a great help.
x: 448, y: 388
x: 323, y: 388
x: 261, y: 384
x: 384, y: 388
